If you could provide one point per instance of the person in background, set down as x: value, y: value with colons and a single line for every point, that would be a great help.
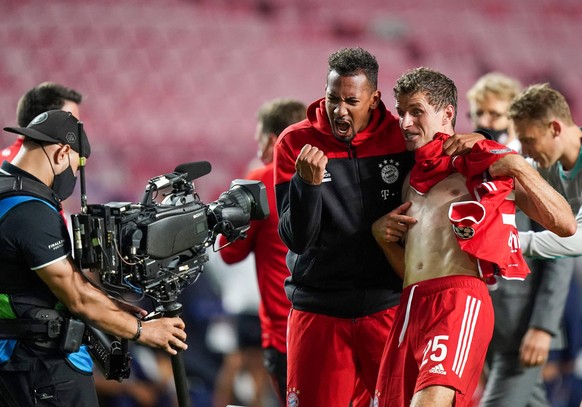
x: 242, y: 378
x: 264, y: 241
x: 43, y: 97
x: 489, y: 99
x: 456, y: 238
x: 150, y: 384
x: 528, y: 314
x: 550, y: 137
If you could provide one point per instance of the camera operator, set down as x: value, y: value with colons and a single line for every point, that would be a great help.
x: 40, y: 284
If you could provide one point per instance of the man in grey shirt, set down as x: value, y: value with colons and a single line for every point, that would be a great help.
x: 551, y: 139
x: 549, y: 136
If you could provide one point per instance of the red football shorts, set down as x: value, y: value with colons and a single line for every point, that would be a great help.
x: 332, y: 361
x: 440, y: 337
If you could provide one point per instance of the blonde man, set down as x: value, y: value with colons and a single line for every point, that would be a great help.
x: 489, y: 100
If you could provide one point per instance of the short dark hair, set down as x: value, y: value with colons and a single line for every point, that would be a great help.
x: 44, y: 97
x: 540, y: 103
x: 438, y: 88
x: 278, y: 114
x: 352, y: 62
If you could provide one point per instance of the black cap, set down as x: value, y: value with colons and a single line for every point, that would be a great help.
x: 55, y: 126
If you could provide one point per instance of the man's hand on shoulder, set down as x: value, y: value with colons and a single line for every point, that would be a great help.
x: 461, y: 143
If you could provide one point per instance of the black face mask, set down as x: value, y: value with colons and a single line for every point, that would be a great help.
x: 64, y: 183
x: 496, y: 134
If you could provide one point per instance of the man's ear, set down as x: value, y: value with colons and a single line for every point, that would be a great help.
x: 449, y: 114
x: 376, y: 96
x: 270, y: 147
x: 272, y: 138
x: 63, y: 152
x: 556, y: 128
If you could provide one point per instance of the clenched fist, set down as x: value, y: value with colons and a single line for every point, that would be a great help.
x: 310, y: 164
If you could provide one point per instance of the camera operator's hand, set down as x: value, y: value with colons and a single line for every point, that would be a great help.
x: 114, y: 317
x: 131, y: 308
x: 164, y: 333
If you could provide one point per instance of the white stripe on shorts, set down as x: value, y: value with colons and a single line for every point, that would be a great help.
x: 472, y: 307
x: 406, y: 317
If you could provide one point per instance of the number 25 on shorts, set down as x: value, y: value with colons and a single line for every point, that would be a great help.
x: 435, y: 349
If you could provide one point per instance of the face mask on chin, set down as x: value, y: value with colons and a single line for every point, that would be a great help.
x: 64, y: 183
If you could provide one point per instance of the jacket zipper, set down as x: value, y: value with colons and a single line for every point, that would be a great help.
x: 353, y: 156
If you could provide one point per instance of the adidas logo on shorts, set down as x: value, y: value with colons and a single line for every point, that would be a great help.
x: 439, y: 369
x: 326, y: 176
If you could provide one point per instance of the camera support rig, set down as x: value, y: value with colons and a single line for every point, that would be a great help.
x: 174, y: 309
x: 156, y: 249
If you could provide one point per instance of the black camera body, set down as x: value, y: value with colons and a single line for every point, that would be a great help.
x: 156, y: 249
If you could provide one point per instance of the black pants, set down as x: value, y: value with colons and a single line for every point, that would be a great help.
x: 276, y: 365
x: 49, y: 381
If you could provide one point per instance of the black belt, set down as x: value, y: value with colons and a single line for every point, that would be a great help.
x: 30, y: 328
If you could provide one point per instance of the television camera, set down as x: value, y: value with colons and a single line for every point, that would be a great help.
x: 156, y: 247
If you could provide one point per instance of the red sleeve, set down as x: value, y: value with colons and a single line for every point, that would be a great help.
x: 284, y: 159
x: 485, y: 228
x: 10, y: 152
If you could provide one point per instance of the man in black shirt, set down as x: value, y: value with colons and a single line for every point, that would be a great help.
x: 38, y: 277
